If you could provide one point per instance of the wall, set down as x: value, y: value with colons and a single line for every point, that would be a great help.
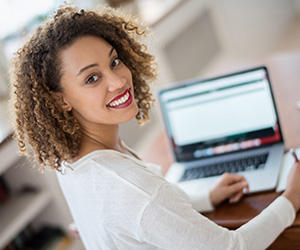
x: 251, y: 28
x: 199, y: 33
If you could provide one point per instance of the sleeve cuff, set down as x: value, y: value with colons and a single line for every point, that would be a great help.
x: 201, y: 201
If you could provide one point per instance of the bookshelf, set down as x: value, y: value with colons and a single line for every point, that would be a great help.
x: 8, y: 154
x: 19, y: 211
x: 33, y: 199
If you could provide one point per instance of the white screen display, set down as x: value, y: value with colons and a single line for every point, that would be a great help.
x: 220, y: 108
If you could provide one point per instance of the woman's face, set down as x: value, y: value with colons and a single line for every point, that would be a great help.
x: 96, y: 85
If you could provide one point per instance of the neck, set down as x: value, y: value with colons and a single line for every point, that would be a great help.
x: 94, y: 140
x: 107, y: 139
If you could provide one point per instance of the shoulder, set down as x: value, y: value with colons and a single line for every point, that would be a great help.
x: 132, y: 172
x: 120, y: 169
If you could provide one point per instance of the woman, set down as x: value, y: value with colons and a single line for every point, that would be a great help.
x: 79, y: 76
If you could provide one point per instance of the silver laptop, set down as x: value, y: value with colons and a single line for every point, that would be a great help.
x: 224, y: 124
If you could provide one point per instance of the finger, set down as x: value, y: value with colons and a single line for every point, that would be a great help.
x: 247, y: 187
x: 236, y: 197
x: 244, y: 182
x: 228, y: 178
x: 292, y: 151
x: 237, y: 187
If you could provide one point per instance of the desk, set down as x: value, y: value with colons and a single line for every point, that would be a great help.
x: 284, y: 70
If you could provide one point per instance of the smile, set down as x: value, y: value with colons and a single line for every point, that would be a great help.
x: 121, y: 101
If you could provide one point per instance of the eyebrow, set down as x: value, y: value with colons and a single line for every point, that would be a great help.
x: 87, y: 67
x: 111, y: 51
x: 94, y: 64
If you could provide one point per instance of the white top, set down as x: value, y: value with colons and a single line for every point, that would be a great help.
x: 120, y: 202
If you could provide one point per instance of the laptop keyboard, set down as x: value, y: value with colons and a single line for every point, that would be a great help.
x: 237, y: 165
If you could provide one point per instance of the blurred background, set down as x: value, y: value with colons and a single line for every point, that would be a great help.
x: 193, y: 38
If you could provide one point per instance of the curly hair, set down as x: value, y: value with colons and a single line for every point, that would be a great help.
x: 40, y: 126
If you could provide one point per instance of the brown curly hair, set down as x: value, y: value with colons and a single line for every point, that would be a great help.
x: 52, y: 134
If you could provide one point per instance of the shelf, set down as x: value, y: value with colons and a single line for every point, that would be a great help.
x: 75, y: 244
x: 8, y: 155
x: 18, y: 212
x: 5, y: 125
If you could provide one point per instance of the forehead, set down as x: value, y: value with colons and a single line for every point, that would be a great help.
x: 84, y: 50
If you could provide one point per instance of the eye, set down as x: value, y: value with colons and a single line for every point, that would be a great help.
x: 115, y: 62
x: 92, y: 79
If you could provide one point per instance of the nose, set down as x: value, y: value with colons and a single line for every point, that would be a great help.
x: 115, y: 81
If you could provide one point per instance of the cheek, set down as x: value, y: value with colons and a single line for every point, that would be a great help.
x: 89, y: 99
x: 130, y: 81
x: 127, y: 73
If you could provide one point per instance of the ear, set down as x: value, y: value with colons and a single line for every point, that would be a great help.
x: 61, y: 101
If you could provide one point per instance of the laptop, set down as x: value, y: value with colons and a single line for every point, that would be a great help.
x: 223, y: 124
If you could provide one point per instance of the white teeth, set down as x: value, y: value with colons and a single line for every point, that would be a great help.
x: 119, y: 101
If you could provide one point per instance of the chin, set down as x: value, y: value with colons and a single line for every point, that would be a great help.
x: 130, y: 116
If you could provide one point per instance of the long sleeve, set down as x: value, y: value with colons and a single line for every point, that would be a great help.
x: 168, y: 222
x: 201, y: 201
x: 269, y: 223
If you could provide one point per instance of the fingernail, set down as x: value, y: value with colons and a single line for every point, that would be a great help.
x: 232, y: 200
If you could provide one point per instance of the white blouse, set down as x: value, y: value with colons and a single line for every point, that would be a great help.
x: 120, y: 202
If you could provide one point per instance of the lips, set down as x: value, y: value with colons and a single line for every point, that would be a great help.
x: 121, y: 101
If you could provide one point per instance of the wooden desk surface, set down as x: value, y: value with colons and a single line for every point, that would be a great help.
x: 284, y: 70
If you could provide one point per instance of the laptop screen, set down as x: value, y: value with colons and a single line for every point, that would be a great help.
x: 220, y: 115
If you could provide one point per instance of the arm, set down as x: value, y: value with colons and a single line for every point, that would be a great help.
x: 232, y: 186
x: 169, y: 222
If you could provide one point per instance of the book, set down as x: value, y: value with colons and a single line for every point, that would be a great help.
x: 4, y: 192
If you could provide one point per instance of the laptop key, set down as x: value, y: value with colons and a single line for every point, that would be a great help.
x: 249, y: 163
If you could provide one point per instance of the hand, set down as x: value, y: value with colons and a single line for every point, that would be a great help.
x: 73, y: 230
x: 229, y: 186
x: 292, y: 191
